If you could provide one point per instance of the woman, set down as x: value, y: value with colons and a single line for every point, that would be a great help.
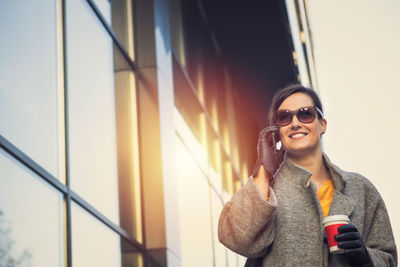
x: 276, y: 218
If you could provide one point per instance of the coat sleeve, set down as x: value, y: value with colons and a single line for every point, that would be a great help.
x: 380, y: 240
x: 246, y: 222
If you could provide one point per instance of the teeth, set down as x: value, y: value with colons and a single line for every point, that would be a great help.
x: 298, y: 135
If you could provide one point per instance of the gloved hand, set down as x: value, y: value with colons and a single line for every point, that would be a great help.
x: 349, y: 239
x: 266, y: 154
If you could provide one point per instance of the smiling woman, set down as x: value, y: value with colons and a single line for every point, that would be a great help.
x: 301, y: 133
x: 280, y: 223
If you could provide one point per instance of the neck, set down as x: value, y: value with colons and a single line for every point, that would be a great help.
x: 314, y: 163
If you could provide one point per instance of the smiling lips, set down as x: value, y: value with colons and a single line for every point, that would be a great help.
x: 297, y: 135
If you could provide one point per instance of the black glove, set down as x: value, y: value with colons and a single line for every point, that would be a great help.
x: 267, y: 154
x: 349, y: 239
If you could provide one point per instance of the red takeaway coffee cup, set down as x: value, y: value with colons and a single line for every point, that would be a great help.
x: 331, y: 224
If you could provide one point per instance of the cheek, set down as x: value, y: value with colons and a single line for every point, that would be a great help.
x: 316, y: 130
x: 281, y: 134
x: 283, y: 137
x: 315, y: 135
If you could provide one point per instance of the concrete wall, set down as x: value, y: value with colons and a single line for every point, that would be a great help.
x: 357, y: 60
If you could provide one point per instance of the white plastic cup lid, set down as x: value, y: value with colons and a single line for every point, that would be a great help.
x: 334, y: 218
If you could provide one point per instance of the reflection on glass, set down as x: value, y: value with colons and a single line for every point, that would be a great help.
x: 31, y: 218
x: 8, y: 257
x: 194, y: 211
x: 91, y: 106
x: 29, y: 90
x: 298, y: 47
x: 104, y: 7
x: 177, y: 38
x: 119, y: 17
x: 219, y: 249
x: 228, y: 177
x: 93, y: 244
x: 131, y: 257
x: 122, y: 24
x: 128, y: 148
x: 232, y: 258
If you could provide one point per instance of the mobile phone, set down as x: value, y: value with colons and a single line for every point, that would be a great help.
x: 272, y: 135
x: 274, y: 142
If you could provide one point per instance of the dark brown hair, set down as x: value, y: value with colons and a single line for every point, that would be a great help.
x: 284, y: 93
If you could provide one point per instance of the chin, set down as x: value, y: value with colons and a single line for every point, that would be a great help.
x: 296, y: 153
x: 300, y: 151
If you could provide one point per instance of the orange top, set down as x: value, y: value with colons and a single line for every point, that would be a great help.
x: 325, y: 195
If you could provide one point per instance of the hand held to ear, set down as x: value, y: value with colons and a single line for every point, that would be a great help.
x: 267, y: 155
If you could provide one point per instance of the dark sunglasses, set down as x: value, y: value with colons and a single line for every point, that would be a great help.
x: 305, y: 115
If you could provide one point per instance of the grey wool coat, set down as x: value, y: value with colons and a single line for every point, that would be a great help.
x: 287, y: 229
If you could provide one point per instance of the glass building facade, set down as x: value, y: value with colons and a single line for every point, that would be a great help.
x: 119, y: 133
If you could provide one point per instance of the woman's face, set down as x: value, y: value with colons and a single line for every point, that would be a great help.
x: 308, y: 135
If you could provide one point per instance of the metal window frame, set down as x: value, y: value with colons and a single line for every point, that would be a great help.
x: 68, y: 194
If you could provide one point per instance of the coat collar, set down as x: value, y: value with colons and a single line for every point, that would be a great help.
x: 294, y: 172
x: 300, y: 175
x: 341, y: 204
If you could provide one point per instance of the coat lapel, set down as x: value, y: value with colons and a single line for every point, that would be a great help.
x: 341, y: 204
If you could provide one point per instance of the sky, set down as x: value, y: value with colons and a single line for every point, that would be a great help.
x: 356, y: 46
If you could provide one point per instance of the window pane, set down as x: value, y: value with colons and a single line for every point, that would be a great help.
x: 194, y: 211
x: 29, y: 90
x: 219, y: 249
x: 93, y: 244
x: 131, y: 257
x: 119, y: 16
x: 122, y: 24
x: 128, y: 152
x: 31, y: 218
x: 177, y: 38
x: 104, y: 8
x: 91, y: 106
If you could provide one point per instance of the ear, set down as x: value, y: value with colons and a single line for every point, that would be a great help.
x: 323, y: 124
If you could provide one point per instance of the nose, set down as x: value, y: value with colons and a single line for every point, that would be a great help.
x: 295, y: 124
